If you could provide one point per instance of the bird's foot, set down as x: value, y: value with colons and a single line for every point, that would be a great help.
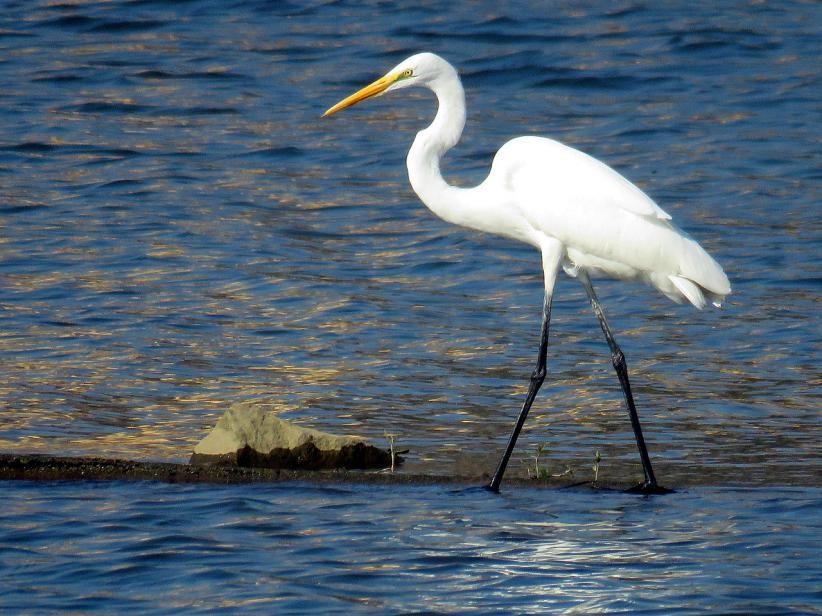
x: 491, y: 488
x: 648, y: 487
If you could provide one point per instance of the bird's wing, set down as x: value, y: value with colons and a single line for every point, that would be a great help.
x: 605, y: 222
x: 535, y: 164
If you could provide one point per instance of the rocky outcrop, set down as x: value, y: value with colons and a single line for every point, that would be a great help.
x: 251, y: 435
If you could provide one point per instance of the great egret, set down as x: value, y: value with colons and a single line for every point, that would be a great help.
x: 583, y: 216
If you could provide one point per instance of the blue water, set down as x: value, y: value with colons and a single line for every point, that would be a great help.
x: 179, y: 231
x: 298, y: 548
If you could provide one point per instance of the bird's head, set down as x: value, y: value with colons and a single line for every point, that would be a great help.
x: 421, y: 69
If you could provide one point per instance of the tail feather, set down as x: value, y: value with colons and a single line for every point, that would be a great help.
x: 699, y: 267
x: 697, y: 279
x: 691, y: 291
x: 716, y: 299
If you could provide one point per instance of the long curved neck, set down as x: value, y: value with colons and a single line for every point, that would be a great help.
x: 432, y: 143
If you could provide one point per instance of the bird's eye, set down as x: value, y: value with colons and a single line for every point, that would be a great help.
x: 407, y: 72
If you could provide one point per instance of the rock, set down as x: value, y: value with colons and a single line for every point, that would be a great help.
x: 252, y: 435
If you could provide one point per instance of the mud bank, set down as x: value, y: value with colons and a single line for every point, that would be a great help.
x: 55, y: 468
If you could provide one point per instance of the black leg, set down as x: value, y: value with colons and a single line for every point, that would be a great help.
x: 622, y: 372
x: 537, y: 378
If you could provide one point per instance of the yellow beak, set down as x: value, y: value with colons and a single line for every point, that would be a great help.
x: 372, y: 89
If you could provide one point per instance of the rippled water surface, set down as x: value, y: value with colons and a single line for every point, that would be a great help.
x: 298, y: 548
x: 179, y: 231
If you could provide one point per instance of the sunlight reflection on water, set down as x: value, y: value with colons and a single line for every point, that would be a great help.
x: 181, y: 232
x: 300, y: 548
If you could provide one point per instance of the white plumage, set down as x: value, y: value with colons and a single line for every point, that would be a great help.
x: 583, y: 216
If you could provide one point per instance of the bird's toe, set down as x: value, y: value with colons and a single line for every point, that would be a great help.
x: 649, y: 487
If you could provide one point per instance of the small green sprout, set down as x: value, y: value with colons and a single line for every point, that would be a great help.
x: 540, y: 473
x: 391, y: 438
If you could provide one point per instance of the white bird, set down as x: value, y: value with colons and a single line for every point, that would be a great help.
x: 583, y: 216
